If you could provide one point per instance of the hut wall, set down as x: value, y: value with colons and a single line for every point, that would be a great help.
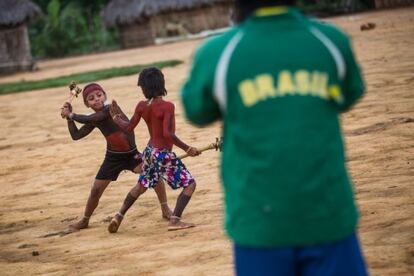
x: 191, y: 21
x: 137, y: 35
x: 15, y: 50
x: 392, y: 3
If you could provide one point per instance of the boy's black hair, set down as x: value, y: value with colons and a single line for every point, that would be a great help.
x: 152, y: 82
x: 244, y: 8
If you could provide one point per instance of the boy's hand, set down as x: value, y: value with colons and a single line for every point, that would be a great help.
x: 66, y: 110
x: 114, y: 110
x: 193, y: 151
x: 68, y: 106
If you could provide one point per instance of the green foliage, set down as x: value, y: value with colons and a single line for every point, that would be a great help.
x: 15, y: 87
x: 71, y: 27
x: 57, y: 35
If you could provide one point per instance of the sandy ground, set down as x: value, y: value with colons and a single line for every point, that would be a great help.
x: 46, y: 176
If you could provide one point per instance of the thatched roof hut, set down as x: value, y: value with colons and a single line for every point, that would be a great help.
x: 140, y: 21
x: 15, y: 52
x: 16, y: 12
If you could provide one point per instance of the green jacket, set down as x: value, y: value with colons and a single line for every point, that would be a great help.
x: 279, y: 82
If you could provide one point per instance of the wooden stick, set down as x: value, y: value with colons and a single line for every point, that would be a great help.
x: 209, y: 147
x: 216, y: 146
x: 75, y: 90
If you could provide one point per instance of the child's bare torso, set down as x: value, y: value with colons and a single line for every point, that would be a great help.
x: 116, y: 139
x: 159, y: 117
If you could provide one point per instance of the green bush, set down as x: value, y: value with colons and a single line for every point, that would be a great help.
x: 70, y: 29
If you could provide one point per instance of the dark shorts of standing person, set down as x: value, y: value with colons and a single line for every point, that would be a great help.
x: 340, y: 258
x: 116, y: 162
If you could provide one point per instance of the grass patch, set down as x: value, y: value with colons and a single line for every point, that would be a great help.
x: 91, y: 76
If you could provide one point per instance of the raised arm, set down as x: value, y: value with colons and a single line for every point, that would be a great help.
x: 95, y: 117
x: 122, y: 114
x: 76, y: 133
x: 122, y: 121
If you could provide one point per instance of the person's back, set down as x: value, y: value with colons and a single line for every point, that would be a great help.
x: 154, y: 113
x: 279, y: 81
x: 281, y: 114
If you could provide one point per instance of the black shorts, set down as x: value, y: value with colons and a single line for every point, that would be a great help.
x: 116, y: 162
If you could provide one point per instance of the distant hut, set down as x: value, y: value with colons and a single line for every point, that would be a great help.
x: 15, y: 52
x: 141, y: 21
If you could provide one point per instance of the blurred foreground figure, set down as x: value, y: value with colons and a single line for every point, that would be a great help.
x: 279, y: 81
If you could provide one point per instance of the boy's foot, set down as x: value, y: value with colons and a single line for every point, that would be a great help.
x: 81, y: 224
x: 114, y: 224
x: 177, y: 224
x: 166, y: 212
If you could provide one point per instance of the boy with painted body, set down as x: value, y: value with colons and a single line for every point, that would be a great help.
x: 279, y: 81
x: 159, y: 159
x: 121, y: 151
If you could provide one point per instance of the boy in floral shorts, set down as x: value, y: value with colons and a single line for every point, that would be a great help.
x: 159, y: 159
x: 163, y: 163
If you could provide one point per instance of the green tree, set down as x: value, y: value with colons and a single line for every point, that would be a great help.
x: 71, y: 27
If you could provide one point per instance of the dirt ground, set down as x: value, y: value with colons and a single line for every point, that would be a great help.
x: 46, y: 176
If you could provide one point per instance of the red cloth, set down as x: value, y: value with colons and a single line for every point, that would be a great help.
x: 90, y: 88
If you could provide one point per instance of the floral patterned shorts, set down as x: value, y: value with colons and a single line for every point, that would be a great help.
x: 163, y: 163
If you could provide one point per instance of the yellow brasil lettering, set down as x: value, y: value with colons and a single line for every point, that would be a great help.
x: 301, y: 82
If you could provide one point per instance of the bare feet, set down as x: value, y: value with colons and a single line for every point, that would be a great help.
x: 177, y: 224
x: 81, y: 224
x: 166, y: 211
x: 115, y: 223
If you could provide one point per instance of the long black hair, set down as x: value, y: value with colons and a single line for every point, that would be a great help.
x: 152, y: 82
x: 244, y: 8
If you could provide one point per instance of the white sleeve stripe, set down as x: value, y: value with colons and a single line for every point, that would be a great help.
x: 333, y: 50
x: 220, y: 86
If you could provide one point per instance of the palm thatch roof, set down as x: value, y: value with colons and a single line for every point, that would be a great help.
x: 15, y: 12
x: 124, y: 12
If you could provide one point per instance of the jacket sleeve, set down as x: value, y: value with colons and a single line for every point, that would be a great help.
x: 197, y: 93
x: 353, y: 84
